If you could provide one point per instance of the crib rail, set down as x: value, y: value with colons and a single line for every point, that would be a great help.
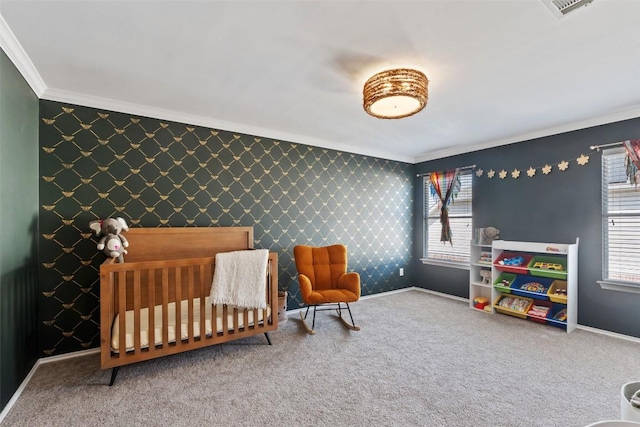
x: 152, y: 289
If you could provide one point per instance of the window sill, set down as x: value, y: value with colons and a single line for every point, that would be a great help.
x: 619, y: 286
x: 449, y: 264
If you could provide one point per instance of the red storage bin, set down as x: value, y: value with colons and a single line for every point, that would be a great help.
x: 537, y: 316
x: 521, y: 268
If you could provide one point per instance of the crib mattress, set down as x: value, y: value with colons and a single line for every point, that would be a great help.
x: 184, y: 323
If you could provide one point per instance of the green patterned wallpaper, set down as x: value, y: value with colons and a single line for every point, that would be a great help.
x: 154, y: 173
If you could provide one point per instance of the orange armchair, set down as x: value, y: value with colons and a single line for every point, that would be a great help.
x: 323, y: 279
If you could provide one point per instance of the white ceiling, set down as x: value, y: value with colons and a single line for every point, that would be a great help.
x: 499, y: 71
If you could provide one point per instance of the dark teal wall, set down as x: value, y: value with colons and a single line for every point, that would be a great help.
x: 557, y: 207
x: 18, y: 233
x: 95, y: 164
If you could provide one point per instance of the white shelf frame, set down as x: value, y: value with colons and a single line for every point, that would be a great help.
x: 477, y: 288
x: 569, y: 250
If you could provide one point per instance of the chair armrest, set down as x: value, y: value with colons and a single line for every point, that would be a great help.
x: 305, y: 287
x: 350, y: 282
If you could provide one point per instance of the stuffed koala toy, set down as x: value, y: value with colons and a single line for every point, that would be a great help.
x: 489, y: 234
x: 113, y: 243
x: 114, y: 247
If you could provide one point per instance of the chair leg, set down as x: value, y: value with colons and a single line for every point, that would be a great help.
x: 114, y: 374
x: 351, y: 325
x: 309, y: 330
x: 313, y: 325
x: 266, y: 334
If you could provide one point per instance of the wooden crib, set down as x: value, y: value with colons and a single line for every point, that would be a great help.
x: 160, y: 295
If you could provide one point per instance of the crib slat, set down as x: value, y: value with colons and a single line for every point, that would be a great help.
x: 245, y: 313
x: 107, y: 302
x: 256, y: 325
x: 272, y: 280
x: 151, y: 288
x: 190, y: 273
x: 235, y: 320
x: 225, y: 320
x: 203, y: 329
x: 122, y: 312
x: 178, y: 306
x: 264, y: 311
x: 214, y: 320
x: 165, y: 308
x: 136, y: 311
x: 272, y: 283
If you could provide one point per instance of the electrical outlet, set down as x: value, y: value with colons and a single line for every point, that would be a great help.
x: 401, y: 272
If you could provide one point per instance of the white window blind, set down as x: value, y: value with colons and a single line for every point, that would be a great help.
x: 620, y: 220
x: 459, y: 220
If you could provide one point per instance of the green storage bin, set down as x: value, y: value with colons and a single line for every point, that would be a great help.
x: 554, y: 267
x: 503, y: 286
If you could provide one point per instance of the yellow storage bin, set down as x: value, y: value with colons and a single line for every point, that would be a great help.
x: 558, y: 291
x: 513, y: 305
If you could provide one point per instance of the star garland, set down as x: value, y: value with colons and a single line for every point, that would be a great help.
x: 531, y: 172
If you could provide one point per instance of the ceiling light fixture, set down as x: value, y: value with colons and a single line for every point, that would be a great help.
x: 396, y: 93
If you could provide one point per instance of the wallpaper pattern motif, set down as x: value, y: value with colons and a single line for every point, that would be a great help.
x: 95, y: 164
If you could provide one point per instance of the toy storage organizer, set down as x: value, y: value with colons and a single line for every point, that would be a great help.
x: 534, y: 281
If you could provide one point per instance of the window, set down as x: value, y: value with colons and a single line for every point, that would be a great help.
x: 457, y: 252
x: 620, y: 220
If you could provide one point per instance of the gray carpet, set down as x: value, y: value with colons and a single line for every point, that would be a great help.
x: 419, y: 359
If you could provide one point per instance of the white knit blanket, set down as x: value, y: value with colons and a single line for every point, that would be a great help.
x: 239, y: 278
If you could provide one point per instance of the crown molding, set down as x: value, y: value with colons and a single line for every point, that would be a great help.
x: 626, y: 114
x: 12, y: 47
x: 175, y: 116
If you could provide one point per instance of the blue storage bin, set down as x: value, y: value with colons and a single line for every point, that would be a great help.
x: 553, y: 314
x: 540, y: 294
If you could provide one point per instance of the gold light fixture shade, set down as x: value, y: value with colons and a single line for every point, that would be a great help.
x: 397, y: 93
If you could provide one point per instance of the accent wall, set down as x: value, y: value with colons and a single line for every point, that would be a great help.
x: 155, y: 173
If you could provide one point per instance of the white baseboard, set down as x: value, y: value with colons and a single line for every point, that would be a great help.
x: 440, y: 294
x: 39, y: 362
x: 609, y: 333
x: 397, y: 291
x: 18, y: 392
x: 69, y: 355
